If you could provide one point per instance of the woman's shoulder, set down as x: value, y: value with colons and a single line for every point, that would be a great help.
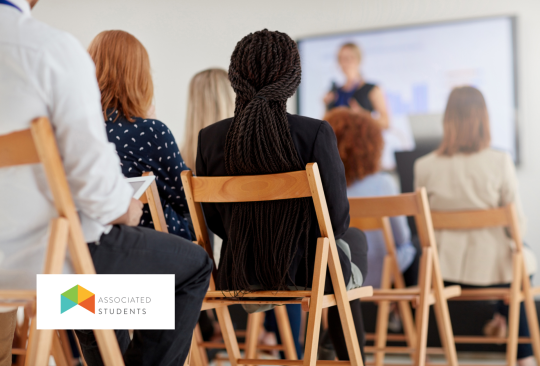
x: 151, y: 124
x: 377, y: 184
x: 216, y: 130
x: 303, y: 124
x: 493, y: 153
x: 427, y: 159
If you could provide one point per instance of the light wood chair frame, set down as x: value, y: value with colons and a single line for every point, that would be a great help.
x: 255, y: 321
x: 37, y: 145
x: 255, y: 325
x: 430, y: 289
x: 151, y: 197
x: 277, y: 187
x: 391, y: 277
x: 520, y: 288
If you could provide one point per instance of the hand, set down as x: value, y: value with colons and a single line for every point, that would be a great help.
x: 132, y: 217
x: 357, y: 108
x: 329, y: 98
x: 134, y: 212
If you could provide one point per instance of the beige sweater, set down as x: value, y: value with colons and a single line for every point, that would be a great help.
x: 483, y: 180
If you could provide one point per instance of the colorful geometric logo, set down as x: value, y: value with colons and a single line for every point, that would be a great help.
x: 77, y: 295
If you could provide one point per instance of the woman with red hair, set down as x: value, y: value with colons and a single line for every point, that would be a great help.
x: 360, y: 145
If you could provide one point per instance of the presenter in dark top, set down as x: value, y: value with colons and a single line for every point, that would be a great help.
x: 360, y: 96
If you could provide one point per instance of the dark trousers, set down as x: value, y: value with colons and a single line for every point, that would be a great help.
x: 524, y: 349
x: 358, y: 244
x: 138, y: 250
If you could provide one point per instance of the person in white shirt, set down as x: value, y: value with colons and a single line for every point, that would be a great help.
x: 46, y: 72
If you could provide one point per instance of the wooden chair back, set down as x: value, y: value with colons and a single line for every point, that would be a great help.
x: 369, y: 213
x: 391, y: 275
x: 37, y: 145
x: 151, y: 197
x: 520, y: 287
x: 505, y: 216
x: 282, y: 186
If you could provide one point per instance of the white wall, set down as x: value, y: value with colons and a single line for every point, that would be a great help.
x: 184, y: 37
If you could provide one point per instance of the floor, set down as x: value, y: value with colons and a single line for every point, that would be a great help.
x: 476, y: 358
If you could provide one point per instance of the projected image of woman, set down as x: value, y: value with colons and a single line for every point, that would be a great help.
x: 360, y: 96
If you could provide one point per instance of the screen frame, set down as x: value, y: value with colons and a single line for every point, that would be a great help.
x: 514, y: 39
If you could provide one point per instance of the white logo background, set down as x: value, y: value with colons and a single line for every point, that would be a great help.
x: 159, y: 311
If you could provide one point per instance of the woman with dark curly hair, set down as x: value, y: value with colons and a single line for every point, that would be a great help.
x: 271, y: 245
x: 360, y: 145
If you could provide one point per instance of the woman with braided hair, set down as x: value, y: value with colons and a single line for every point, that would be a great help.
x: 271, y: 245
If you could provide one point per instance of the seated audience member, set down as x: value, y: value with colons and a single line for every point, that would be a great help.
x: 466, y: 174
x: 272, y: 244
x: 360, y: 144
x: 142, y: 142
x: 210, y: 99
x: 46, y: 72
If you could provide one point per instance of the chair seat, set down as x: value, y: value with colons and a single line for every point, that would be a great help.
x: 216, y: 299
x: 17, y: 298
x: 410, y: 294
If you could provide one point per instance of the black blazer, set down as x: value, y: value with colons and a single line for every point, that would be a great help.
x: 315, y: 141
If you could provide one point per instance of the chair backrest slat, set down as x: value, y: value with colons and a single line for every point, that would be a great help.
x: 18, y: 148
x: 366, y: 223
x: 251, y: 188
x: 466, y: 220
x: 390, y: 206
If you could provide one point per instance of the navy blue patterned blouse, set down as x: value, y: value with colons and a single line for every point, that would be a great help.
x: 148, y: 145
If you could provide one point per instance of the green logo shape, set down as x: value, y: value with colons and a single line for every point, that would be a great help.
x: 77, y: 295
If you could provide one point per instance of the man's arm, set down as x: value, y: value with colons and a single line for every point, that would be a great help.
x: 92, y: 166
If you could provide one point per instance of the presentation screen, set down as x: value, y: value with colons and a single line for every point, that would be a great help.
x: 416, y: 67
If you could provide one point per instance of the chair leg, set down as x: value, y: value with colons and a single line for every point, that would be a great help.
x: 57, y: 351
x: 408, y: 323
x: 39, y: 346
x: 315, y: 306
x: 83, y: 361
x: 444, y: 324
x: 284, y: 327
x: 197, y: 358
x: 381, y: 328
x: 227, y: 330
x: 442, y: 315
x: 108, y: 346
x: 344, y: 308
x: 422, y: 310
x: 254, y: 327
x: 513, y: 310
x: 201, y: 351
x: 22, y: 338
x: 532, y: 316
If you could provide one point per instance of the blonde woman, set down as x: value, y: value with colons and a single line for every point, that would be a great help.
x: 211, y: 99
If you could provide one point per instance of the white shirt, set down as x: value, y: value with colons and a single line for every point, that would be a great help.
x: 46, y: 72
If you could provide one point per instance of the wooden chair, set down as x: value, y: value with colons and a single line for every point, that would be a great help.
x: 520, y: 288
x: 430, y: 290
x: 37, y: 145
x: 251, y: 334
x: 277, y: 187
x: 391, y: 275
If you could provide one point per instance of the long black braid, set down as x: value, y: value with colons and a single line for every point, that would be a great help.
x: 264, y: 72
